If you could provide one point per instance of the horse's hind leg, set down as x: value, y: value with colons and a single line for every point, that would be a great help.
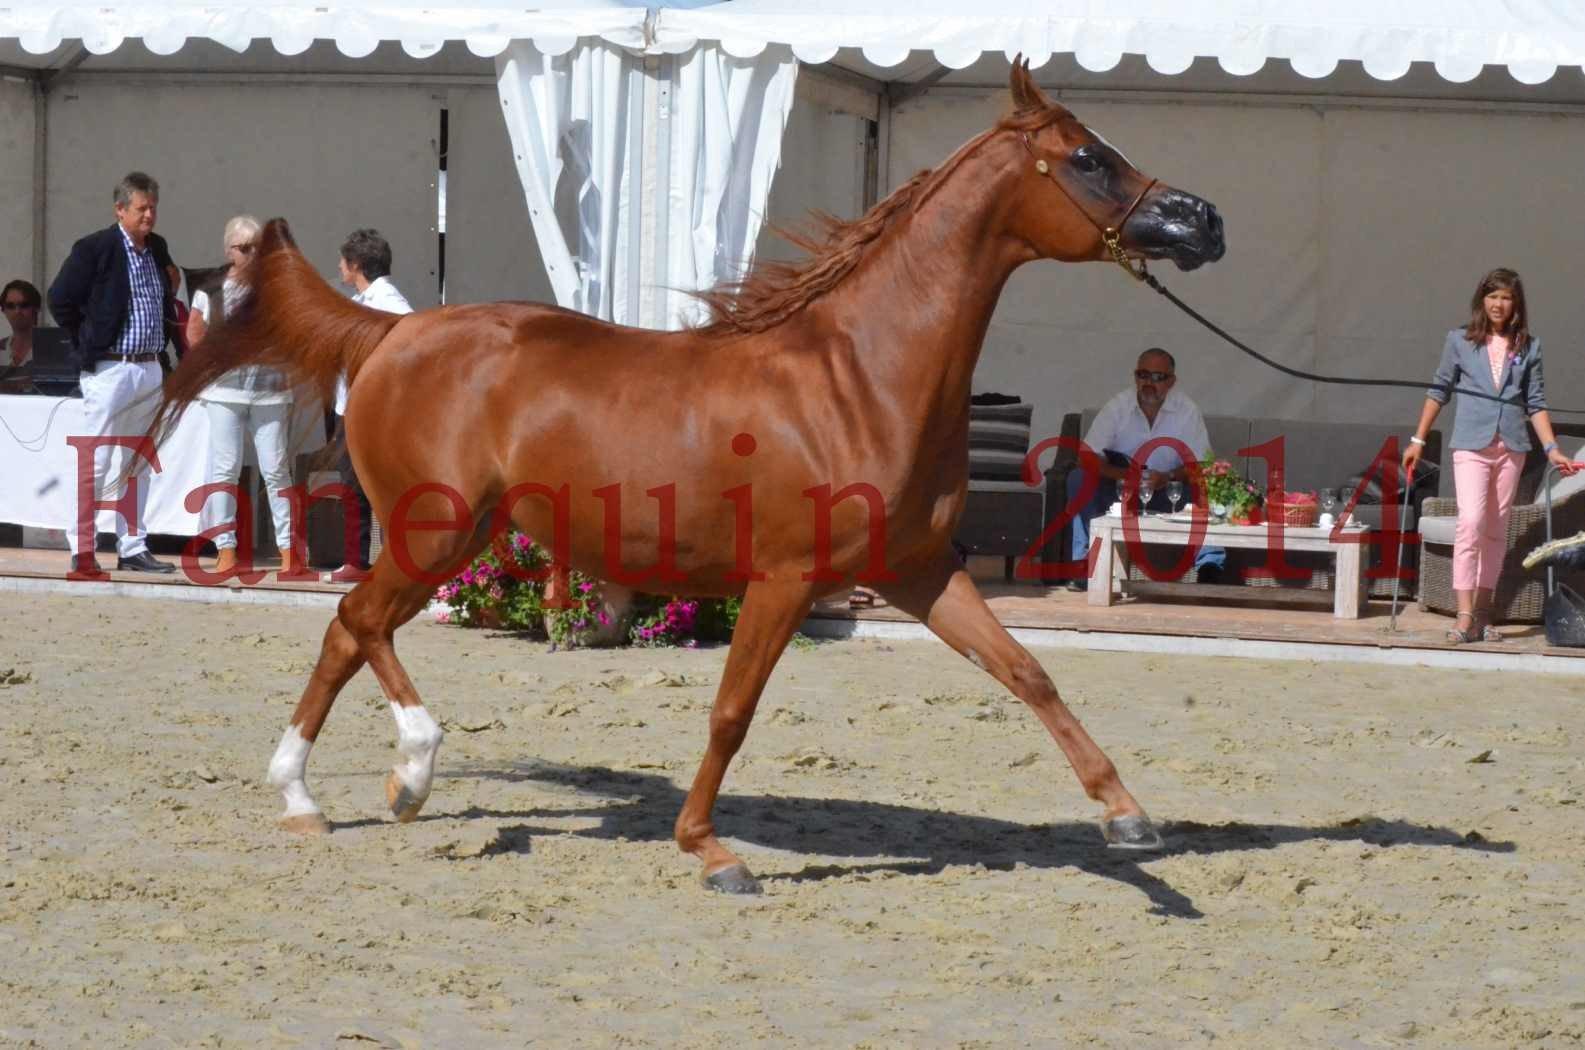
x: 339, y: 660
x: 372, y: 612
x: 946, y: 600
x: 771, y: 613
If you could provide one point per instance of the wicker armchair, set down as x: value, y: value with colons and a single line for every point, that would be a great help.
x: 1519, y: 594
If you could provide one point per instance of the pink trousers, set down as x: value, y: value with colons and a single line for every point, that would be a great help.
x: 1485, y: 483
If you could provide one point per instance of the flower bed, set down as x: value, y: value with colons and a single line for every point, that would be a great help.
x: 493, y: 593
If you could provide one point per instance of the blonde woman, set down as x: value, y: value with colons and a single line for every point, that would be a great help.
x: 252, y: 402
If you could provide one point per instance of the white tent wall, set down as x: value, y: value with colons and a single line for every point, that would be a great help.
x: 491, y: 252
x: 1355, y: 237
x: 329, y: 157
x: 822, y: 168
x: 17, y: 130
x: 1418, y: 206
x: 1357, y: 225
x: 359, y: 154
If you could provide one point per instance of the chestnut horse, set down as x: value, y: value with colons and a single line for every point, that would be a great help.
x: 813, y: 434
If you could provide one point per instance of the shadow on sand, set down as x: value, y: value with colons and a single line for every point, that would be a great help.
x: 643, y: 806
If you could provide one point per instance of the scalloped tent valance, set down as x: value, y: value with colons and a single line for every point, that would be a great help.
x: 1459, y: 37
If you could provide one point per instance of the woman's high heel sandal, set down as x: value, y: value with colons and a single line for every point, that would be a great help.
x: 1483, y: 623
x: 1464, y: 635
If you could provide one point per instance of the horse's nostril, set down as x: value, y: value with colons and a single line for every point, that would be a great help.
x: 1213, y: 223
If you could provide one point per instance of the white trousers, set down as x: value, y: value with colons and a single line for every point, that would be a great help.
x: 270, y: 428
x: 119, y: 400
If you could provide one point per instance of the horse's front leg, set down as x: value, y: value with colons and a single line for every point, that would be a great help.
x: 770, y: 615
x: 946, y: 600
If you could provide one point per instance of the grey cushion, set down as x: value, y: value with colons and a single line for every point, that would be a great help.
x: 988, y: 485
x: 1321, y: 455
x: 998, y: 441
x: 1229, y: 434
x: 1438, y: 529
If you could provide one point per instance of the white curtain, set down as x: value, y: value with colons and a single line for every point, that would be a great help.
x: 646, y: 176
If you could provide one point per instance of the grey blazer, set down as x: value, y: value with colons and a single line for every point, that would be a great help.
x: 1476, y: 420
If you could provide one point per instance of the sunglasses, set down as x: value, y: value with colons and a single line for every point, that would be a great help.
x: 1151, y: 377
x: 245, y: 249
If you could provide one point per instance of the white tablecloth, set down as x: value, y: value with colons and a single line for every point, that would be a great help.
x: 38, y: 468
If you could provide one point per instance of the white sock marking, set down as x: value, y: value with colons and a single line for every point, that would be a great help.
x: 418, y: 742
x: 287, y: 769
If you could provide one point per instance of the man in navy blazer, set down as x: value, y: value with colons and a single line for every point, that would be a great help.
x: 112, y: 295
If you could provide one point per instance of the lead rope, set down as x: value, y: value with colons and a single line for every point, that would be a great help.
x: 1150, y: 279
x: 1112, y: 237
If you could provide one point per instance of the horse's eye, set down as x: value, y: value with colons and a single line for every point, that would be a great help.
x: 1087, y: 162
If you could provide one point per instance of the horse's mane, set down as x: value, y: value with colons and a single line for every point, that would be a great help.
x: 773, y: 290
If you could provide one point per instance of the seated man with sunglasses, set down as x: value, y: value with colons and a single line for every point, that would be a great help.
x: 1151, y: 410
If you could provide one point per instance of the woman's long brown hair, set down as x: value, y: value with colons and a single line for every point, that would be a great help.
x: 269, y: 325
x: 1479, y: 330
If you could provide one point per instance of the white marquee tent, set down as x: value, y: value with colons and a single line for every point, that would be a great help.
x: 1371, y: 158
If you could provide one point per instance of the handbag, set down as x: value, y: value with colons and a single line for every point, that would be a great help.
x: 1564, y: 615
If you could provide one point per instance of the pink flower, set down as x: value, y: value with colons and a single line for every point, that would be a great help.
x: 443, y: 617
x: 586, y: 587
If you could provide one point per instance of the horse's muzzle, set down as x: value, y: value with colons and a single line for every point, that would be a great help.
x: 1171, y: 224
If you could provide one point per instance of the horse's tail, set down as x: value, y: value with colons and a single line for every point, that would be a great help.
x: 285, y: 316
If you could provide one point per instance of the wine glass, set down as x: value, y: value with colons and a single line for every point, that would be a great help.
x: 1345, y: 499
x: 1175, y: 494
x: 1328, y: 502
x: 1147, y: 489
x: 1123, y: 497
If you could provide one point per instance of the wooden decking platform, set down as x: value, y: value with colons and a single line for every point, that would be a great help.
x: 1176, y: 620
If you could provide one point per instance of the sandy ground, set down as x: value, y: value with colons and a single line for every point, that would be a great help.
x: 1356, y: 857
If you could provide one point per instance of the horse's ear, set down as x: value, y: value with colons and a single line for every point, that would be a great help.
x: 276, y: 234
x: 1026, y: 93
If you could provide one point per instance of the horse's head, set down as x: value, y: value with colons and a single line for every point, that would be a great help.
x: 1080, y: 199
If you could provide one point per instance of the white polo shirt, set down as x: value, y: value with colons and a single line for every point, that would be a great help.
x: 381, y: 294
x: 1121, y: 425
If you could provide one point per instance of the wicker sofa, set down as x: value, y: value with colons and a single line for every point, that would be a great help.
x: 1002, y: 516
x: 1520, y: 595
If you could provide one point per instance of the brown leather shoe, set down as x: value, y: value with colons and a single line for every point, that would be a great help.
x: 226, y: 561
x: 349, y: 574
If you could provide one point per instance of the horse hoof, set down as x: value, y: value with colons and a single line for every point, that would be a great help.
x: 405, y: 806
x: 1132, y: 831
x: 306, y: 824
x: 735, y: 879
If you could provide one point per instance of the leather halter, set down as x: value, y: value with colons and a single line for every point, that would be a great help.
x: 1111, y: 236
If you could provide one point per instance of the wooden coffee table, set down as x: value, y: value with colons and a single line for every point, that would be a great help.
x: 1111, y: 557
